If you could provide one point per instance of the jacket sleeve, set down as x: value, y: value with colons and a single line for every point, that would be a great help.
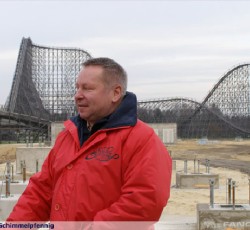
x: 34, y: 204
x: 147, y: 169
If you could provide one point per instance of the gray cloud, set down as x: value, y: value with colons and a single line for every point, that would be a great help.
x: 169, y: 48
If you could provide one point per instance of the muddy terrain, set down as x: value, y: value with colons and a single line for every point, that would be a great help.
x: 229, y: 154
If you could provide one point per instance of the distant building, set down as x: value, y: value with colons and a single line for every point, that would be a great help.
x: 166, y: 131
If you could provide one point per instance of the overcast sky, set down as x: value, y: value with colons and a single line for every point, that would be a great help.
x: 169, y: 48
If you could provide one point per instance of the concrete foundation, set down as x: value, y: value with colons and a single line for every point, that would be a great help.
x: 16, y: 187
x: 56, y: 128
x: 196, y: 180
x: 223, y: 217
x: 33, y: 158
x: 6, y: 205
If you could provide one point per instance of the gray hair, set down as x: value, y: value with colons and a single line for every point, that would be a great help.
x: 113, y: 72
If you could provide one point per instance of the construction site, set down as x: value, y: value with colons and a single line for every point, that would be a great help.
x: 208, y: 141
x: 193, y: 204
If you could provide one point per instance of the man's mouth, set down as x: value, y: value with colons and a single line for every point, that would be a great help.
x: 82, y: 106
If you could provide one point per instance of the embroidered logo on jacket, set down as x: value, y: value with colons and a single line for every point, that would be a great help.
x: 103, y: 154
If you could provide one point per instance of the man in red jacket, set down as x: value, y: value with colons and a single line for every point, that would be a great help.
x: 106, y: 165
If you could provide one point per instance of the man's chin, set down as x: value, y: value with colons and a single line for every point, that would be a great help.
x: 82, y: 116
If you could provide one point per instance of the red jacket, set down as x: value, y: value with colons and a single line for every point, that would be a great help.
x: 118, y: 174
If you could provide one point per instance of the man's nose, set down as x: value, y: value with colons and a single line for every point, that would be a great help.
x: 78, y: 94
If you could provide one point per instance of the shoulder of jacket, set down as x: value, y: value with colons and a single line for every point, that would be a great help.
x: 68, y: 128
x: 141, y: 130
x: 142, y: 126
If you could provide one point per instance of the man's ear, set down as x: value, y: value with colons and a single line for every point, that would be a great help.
x: 117, y: 93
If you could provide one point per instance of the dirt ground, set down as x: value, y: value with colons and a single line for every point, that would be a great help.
x: 8, y: 152
x: 228, y: 158
x: 230, y: 154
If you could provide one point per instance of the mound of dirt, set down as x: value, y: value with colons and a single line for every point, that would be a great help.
x: 8, y: 152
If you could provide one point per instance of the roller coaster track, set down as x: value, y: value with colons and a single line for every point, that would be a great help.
x: 240, y: 87
x: 159, y: 103
x: 43, y: 87
x: 44, y: 81
x: 229, y: 101
x: 44, y: 84
x: 227, y: 75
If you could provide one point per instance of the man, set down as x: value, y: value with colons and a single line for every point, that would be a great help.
x: 106, y: 165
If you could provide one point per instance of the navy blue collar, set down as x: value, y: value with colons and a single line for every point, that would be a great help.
x: 124, y: 115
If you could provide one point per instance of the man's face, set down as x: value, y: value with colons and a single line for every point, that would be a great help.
x: 93, y: 97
